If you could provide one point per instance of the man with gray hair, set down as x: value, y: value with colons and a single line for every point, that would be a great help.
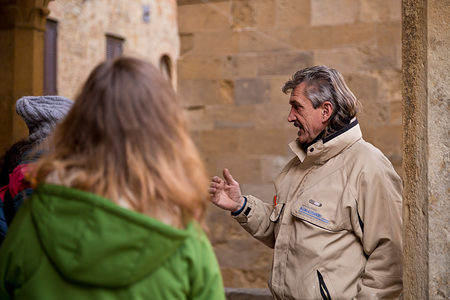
x: 336, y: 222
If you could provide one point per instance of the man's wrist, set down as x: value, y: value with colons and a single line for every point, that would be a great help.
x: 237, y: 212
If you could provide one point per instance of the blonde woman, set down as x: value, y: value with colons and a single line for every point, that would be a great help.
x: 117, y: 205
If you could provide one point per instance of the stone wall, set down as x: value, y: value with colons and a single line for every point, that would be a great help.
x: 426, y: 99
x: 236, y: 55
x: 82, y: 25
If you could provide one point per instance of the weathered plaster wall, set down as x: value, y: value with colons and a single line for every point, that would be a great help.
x: 236, y: 55
x: 82, y: 26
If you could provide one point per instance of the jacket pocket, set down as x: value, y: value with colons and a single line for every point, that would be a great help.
x: 324, y: 292
x: 324, y: 214
x: 276, y: 212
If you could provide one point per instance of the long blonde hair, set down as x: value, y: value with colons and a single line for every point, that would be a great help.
x: 126, y: 139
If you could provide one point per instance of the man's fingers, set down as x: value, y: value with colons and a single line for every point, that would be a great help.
x: 216, y: 179
x: 228, y: 178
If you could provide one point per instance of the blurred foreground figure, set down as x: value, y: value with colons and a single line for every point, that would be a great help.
x: 118, y: 204
x: 41, y: 114
x: 336, y: 221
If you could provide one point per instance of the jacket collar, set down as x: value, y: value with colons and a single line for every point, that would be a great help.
x: 329, y: 146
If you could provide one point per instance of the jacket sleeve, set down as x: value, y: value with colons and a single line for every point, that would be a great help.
x: 205, y: 276
x: 16, y: 265
x: 380, y: 217
x: 255, y: 219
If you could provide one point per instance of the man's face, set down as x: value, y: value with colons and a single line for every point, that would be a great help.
x: 309, y: 120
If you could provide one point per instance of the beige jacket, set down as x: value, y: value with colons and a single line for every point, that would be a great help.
x: 336, y: 228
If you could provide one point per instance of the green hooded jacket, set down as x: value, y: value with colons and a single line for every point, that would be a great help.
x: 70, y: 244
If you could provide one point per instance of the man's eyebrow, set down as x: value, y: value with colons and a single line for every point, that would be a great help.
x: 292, y: 102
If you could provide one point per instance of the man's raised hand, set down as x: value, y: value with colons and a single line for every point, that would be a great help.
x: 226, y: 194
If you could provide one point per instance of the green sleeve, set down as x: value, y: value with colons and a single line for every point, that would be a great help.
x: 206, y: 279
x: 19, y: 257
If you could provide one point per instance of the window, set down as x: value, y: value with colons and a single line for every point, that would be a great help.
x: 166, y: 67
x: 114, y: 46
x: 50, y: 57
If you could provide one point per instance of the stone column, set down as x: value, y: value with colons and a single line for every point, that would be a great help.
x: 426, y: 99
x: 22, y: 26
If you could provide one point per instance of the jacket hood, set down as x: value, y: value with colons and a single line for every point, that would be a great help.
x: 93, y: 241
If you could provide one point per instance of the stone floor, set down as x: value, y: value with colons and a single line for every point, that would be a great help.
x: 248, y: 294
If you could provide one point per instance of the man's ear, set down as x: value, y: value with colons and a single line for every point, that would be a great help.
x: 327, y: 111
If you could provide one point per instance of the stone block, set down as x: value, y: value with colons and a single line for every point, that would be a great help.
x: 374, y: 111
x: 389, y: 33
x: 215, y: 43
x: 222, y: 227
x: 385, y: 137
x: 276, y: 95
x: 241, y: 65
x: 283, y: 63
x: 251, y: 91
x: 388, y: 138
x: 186, y: 42
x: 200, y: 67
x: 333, y: 12
x: 223, y: 141
x: 231, y: 116
x: 267, y: 141
x: 337, y: 36
x: 292, y: 13
x: 389, y: 83
x: 243, y: 141
x: 263, y: 191
x: 255, y: 40
x: 267, y: 64
x: 379, y: 10
x: 198, y: 92
x: 358, y: 59
x: 198, y: 119
x: 364, y: 87
x: 240, y: 278
x: 204, y: 17
x: 271, y: 166
x: 395, y: 112
x: 253, y: 13
x: 244, y: 168
x: 253, y: 255
x: 266, y: 115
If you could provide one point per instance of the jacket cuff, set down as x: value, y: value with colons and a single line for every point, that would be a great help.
x: 235, y: 213
x: 242, y: 215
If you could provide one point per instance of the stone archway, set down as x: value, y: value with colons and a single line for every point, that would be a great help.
x: 22, y: 27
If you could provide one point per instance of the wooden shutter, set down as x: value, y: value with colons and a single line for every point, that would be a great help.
x: 114, y: 46
x: 50, y: 57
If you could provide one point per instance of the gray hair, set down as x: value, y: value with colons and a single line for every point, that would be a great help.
x: 327, y: 84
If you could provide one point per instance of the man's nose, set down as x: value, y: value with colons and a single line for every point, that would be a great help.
x: 291, y: 116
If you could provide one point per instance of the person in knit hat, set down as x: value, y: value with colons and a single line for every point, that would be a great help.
x: 41, y: 115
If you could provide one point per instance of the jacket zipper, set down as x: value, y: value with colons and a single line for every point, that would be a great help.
x: 323, y: 287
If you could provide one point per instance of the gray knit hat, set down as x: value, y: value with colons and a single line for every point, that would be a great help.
x: 42, y: 113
